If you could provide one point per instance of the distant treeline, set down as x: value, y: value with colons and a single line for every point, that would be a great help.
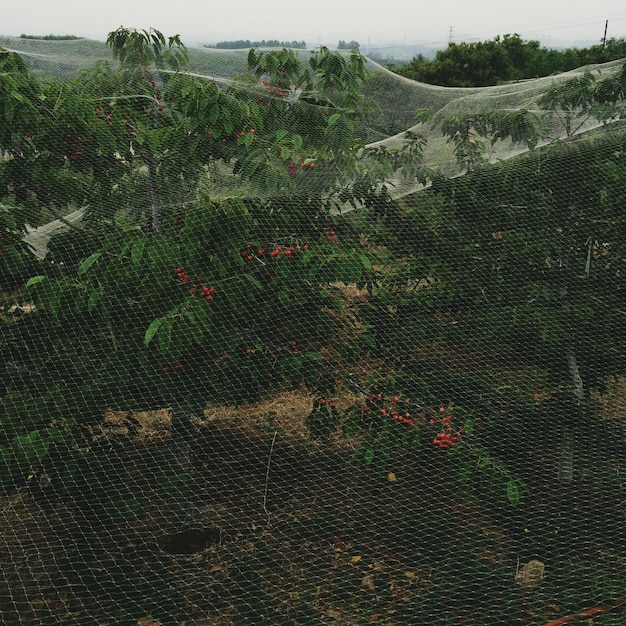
x: 51, y: 37
x: 264, y: 43
x: 504, y: 59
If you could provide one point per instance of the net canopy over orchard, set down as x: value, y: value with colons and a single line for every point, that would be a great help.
x: 287, y: 338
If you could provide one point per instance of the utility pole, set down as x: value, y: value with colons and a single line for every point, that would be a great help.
x: 450, y: 34
x: 606, y: 26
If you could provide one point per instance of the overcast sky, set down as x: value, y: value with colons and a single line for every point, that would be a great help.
x: 324, y: 21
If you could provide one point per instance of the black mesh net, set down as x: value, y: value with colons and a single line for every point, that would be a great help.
x: 287, y: 338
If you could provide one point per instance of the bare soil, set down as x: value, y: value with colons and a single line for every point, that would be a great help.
x: 266, y: 527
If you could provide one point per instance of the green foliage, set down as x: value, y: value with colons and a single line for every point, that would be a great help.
x: 503, y: 264
x: 183, y: 298
x: 536, y: 253
x: 571, y: 101
x: 347, y: 45
x: 507, y: 265
x: 242, y: 44
x: 24, y: 455
x: 182, y: 318
x: 565, y: 109
x: 468, y: 132
x: 16, y: 261
x: 177, y: 293
x: 51, y: 37
x: 323, y: 419
x: 504, y: 59
x: 138, y: 49
x: 19, y: 99
x: 21, y: 102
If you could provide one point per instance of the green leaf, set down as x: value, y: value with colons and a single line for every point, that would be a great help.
x: 9, y: 110
x: 125, y: 248
x: 214, y: 113
x: 88, y: 262
x: 369, y: 340
x: 136, y: 254
x: 164, y: 336
x: 152, y: 330
x: 512, y: 493
x: 34, y: 280
x: 202, y: 316
x: 80, y: 300
x: 93, y: 300
x: 52, y: 301
x: 484, y: 463
x: 333, y: 119
x: 254, y: 282
x: 30, y: 448
x: 13, y: 260
x: 284, y: 298
x: 464, y: 475
x: 366, y: 263
x: 370, y: 453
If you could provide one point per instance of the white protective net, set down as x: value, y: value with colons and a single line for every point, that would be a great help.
x: 290, y: 339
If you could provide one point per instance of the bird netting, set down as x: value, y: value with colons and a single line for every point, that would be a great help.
x: 288, y: 338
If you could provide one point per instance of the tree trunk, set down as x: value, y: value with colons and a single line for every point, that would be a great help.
x: 182, y: 433
x: 575, y: 394
x: 181, y: 509
x: 575, y: 407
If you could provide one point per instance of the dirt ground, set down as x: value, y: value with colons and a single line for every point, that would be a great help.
x: 263, y: 526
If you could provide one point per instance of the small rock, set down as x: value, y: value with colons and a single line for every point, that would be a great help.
x: 531, y: 574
